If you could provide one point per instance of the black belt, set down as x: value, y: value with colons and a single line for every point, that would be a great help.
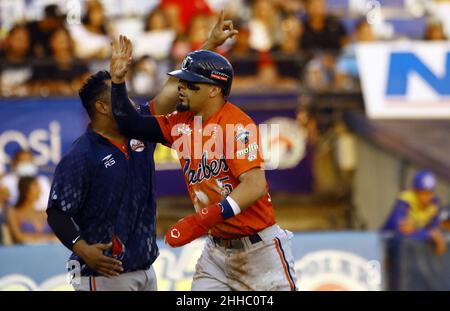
x: 236, y: 243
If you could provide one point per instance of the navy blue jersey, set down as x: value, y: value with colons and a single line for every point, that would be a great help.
x: 108, y: 190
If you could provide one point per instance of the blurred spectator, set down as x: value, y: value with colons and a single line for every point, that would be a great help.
x: 40, y: 31
x: 181, y: 12
x: 347, y: 74
x: 306, y: 121
x: 91, y: 38
x: 196, y: 35
x: 16, y: 47
x: 267, y: 77
x: 267, y: 72
x: 26, y: 224
x: 291, y: 33
x: 346, y: 155
x: 198, y: 30
x: 319, y: 73
x: 180, y: 48
x: 158, y: 38
x: 290, y: 6
x: 14, y: 62
x: 321, y: 31
x: 264, y: 25
x: 64, y: 74
x: 416, y: 212
x: 287, y: 54
x: 22, y: 165
x: 243, y: 57
x: 435, y: 31
x: 444, y: 218
x: 172, y: 13
x: 144, y: 79
x: 156, y: 20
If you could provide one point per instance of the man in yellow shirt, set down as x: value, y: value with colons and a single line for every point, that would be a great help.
x: 416, y: 212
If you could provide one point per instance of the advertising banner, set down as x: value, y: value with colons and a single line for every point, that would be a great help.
x: 49, y: 126
x: 405, y: 79
x: 323, y: 261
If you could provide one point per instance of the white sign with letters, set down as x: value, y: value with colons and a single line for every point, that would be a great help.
x: 405, y: 79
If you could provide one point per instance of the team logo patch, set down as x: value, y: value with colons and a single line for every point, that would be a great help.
x: 175, y: 233
x: 187, y: 62
x: 252, y: 156
x: 250, y: 150
x: 108, y: 161
x: 137, y: 145
x: 219, y: 75
x: 242, y: 135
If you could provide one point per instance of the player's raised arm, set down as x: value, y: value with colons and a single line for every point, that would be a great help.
x: 221, y: 31
x: 130, y: 122
x: 166, y: 100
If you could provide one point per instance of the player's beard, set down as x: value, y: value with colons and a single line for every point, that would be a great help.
x: 182, y: 107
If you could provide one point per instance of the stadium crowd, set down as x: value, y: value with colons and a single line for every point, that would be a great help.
x: 282, y: 44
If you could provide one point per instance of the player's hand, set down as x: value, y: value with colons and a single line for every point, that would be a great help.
x: 185, y: 231
x: 220, y: 33
x: 407, y: 227
x: 121, y: 51
x: 439, y: 242
x: 93, y: 256
x: 194, y: 226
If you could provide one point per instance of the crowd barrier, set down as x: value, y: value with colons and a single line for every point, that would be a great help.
x: 342, y: 261
x: 413, y: 265
x: 323, y: 261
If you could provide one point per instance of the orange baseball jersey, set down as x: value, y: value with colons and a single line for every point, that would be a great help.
x: 213, y: 154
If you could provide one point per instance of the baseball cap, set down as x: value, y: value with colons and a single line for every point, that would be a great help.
x: 424, y: 180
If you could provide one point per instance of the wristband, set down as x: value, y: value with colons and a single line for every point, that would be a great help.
x: 229, y: 208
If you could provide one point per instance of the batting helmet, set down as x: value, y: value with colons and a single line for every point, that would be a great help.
x: 424, y: 180
x: 204, y: 66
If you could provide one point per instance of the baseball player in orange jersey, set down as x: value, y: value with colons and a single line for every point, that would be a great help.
x: 245, y: 248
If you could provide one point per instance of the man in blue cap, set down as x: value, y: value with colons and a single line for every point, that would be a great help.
x: 416, y: 212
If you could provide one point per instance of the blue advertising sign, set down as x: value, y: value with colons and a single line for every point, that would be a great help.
x: 45, y: 126
x: 408, y: 80
x: 49, y: 126
x: 402, y: 65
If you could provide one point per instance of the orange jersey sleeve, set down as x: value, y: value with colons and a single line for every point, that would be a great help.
x: 243, y: 150
x: 172, y: 124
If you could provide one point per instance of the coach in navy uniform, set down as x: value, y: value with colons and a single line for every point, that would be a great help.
x: 102, y: 201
